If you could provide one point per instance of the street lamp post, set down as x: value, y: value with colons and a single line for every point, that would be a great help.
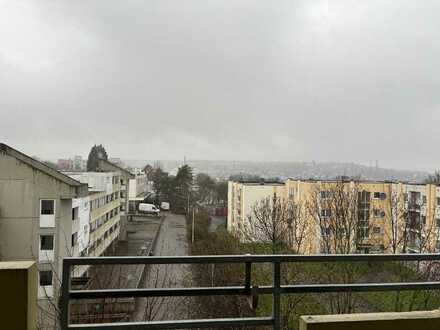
x: 192, y: 227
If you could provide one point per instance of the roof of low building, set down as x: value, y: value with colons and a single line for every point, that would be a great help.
x: 4, y: 148
x: 116, y: 167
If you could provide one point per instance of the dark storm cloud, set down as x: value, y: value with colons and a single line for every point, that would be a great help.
x: 291, y: 80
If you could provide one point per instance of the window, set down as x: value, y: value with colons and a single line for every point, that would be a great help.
x: 424, y: 199
x: 415, y: 197
x: 74, y: 238
x: 45, y: 277
x: 46, y: 242
x: 325, y: 231
x: 437, y: 222
x: 364, y: 232
x: 326, y: 194
x: 363, y: 215
x: 325, y: 213
x: 364, y: 197
x: 291, y: 192
x: 47, y: 206
x: 75, y: 211
x: 379, y: 213
x: 438, y: 201
x: 379, y: 195
x: 377, y: 230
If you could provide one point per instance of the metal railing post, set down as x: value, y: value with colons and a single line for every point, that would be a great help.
x: 64, y: 299
x: 276, y: 301
x: 247, y: 279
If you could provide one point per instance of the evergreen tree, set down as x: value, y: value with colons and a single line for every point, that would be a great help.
x: 183, y: 184
x: 96, y: 153
x: 149, y: 171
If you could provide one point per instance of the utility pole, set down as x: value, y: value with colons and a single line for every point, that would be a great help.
x: 192, y: 236
x: 187, y: 208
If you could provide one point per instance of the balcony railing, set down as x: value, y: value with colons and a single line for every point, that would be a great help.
x: 276, y: 289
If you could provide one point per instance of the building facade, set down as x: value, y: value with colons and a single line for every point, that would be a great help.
x: 386, y: 217
x: 96, y: 217
x: 36, y: 216
x: 46, y: 215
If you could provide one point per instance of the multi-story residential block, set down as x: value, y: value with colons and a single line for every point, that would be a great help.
x: 125, y: 176
x: 46, y: 215
x: 390, y: 216
x: 242, y: 196
x: 36, y: 215
x: 96, y: 217
x: 139, y: 187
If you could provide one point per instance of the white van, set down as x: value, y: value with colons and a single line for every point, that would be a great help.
x: 149, y: 209
x: 165, y: 206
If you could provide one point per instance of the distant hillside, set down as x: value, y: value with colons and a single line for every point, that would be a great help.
x: 283, y: 170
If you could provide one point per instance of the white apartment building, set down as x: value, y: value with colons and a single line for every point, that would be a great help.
x: 96, y: 217
x: 242, y: 197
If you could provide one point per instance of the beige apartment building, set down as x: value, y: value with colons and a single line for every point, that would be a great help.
x: 391, y: 216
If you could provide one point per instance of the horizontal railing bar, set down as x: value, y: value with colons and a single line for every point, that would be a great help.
x: 241, y: 290
x: 250, y: 258
x: 181, y: 324
x: 359, y: 287
x: 165, y: 292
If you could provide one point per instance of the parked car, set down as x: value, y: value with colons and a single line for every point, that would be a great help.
x: 149, y: 209
x: 165, y: 206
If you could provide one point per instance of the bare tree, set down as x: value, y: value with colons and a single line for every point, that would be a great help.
x: 278, y: 221
x: 398, y: 230
x: 297, y: 225
x: 341, y: 210
x: 158, y: 308
x: 413, y: 229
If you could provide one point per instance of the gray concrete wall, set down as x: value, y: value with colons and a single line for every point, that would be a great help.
x: 21, y: 188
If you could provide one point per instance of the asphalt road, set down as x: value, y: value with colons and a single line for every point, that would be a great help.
x: 171, y: 242
x: 172, y: 237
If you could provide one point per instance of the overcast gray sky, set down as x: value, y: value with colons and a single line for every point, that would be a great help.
x: 234, y: 80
